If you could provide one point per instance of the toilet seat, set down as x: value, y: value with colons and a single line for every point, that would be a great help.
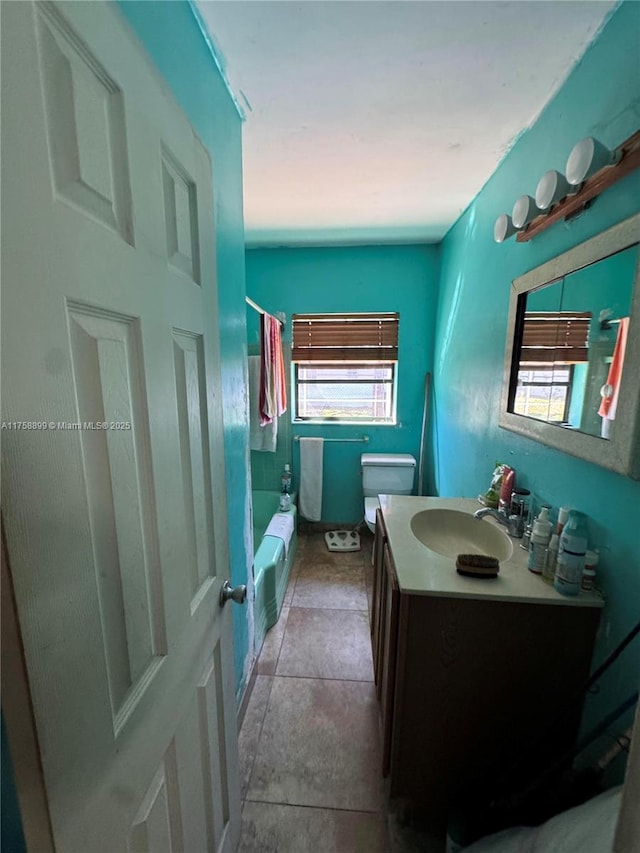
x: 370, y: 507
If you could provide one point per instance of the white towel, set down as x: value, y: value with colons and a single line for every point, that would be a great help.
x: 281, y: 525
x: 260, y: 437
x: 310, y: 500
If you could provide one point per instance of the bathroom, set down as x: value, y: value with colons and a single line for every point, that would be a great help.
x: 453, y: 300
x: 451, y: 303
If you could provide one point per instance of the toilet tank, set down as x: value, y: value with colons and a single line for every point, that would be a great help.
x: 387, y: 473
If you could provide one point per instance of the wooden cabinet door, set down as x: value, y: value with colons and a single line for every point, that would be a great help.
x: 390, y: 595
x: 377, y: 610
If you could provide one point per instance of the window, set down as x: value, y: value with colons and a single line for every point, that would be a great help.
x: 553, y: 342
x: 544, y: 394
x: 345, y: 366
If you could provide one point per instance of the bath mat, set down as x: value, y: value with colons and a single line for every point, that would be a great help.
x: 342, y: 540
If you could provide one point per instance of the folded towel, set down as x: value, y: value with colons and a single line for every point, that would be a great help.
x: 260, y: 437
x: 310, y: 499
x: 281, y: 525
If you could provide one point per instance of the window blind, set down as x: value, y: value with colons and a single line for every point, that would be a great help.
x: 560, y: 337
x: 345, y: 337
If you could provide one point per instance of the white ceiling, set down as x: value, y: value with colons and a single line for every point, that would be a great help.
x: 380, y: 121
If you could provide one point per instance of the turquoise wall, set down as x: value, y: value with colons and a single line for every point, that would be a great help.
x: 171, y: 36
x: 600, y: 98
x: 359, y: 278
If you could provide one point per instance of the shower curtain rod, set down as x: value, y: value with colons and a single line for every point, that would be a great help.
x: 260, y: 310
x: 364, y: 438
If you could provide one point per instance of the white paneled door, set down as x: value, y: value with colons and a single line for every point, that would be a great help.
x: 113, y: 473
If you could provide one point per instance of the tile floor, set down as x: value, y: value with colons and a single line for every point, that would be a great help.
x: 310, y: 741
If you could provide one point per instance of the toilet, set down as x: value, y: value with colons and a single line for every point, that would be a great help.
x: 384, y: 474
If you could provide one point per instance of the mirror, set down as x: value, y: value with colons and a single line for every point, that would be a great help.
x: 567, y: 332
x: 572, y: 362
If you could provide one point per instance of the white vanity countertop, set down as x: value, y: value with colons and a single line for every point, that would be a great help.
x: 422, y: 571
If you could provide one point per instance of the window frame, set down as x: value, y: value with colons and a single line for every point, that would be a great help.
x: 390, y: 401
x: 335, y: 342
x: 547, y: 368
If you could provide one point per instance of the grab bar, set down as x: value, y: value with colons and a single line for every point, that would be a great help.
x: 364, y: 438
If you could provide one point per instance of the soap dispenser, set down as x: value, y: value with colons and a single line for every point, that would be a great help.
x: 540, y: 536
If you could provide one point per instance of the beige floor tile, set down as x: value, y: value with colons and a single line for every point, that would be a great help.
x: 251, y: 728
x: 266, y: 663
x: 368, y: 582
x: 316, y: 546
x: 304, y: 540
x: 366, y: 540
x: 330, y: 586
x: 326, y: 644
x: 267, y: 827
x: 288, y: 596
x: 319, y: 746
x: 337, y: 560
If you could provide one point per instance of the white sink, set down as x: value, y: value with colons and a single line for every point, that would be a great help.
x: 449, y: 532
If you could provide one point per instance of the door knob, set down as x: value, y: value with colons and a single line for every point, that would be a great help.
x: 236, y: 593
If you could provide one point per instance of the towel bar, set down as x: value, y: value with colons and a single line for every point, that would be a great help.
x: 364, y: 438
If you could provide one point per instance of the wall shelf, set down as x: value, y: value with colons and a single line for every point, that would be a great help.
x: 592, y: 187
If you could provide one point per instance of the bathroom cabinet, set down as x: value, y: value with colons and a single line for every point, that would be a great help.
x: 384, y: 640
x: 470, y: 686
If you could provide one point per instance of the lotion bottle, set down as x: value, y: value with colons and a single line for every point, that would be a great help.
x: 540, y: 535
x: 549, y: 571
x: 571, y: 556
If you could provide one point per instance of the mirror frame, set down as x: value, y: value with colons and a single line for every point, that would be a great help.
x: 621, y: 452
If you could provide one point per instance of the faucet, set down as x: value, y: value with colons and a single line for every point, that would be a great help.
x: 513, y: 523
x: 500, y: 515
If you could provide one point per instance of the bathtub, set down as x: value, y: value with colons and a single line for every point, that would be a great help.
x: 270, y: 566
